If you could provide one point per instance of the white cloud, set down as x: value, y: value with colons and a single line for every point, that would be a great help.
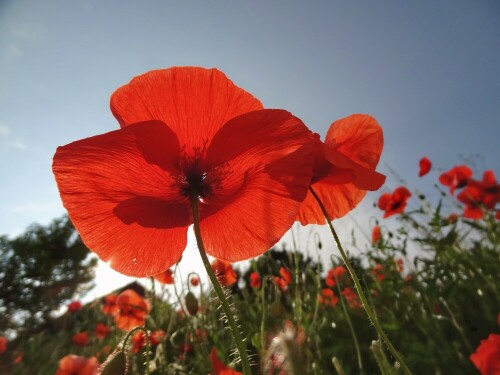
x: 4, y: 131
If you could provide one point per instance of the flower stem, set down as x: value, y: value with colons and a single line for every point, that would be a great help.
x: 148, y: 345
x: 366, y: 306
x: 240, y: 344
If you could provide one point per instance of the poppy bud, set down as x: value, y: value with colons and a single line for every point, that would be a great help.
x: 116, y: 364
x: 191, y: 303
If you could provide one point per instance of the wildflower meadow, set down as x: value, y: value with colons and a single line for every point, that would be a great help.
x: 193, y: 150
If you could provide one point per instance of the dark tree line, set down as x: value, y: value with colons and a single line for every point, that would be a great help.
x: 40, y: 271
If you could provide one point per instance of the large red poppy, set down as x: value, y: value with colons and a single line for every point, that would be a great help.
x: 344, y: 168
x: 185, y: 132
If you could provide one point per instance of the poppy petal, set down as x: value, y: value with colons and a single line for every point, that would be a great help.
x: 137, y: 224
x: 359, y: 137
x: 184, y: 98
x: 338, y: 199
x: 265, y: 158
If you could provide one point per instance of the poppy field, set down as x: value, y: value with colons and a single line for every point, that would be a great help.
x: 421, y: 296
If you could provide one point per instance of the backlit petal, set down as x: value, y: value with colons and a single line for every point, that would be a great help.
x: 338, y: 199
x: 359, y: 137
x: 265, y: 158
x: 119, y: 190
x: 194, y: 102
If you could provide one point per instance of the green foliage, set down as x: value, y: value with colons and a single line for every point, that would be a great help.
x: 435, y: 310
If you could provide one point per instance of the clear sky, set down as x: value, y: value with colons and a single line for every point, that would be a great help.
x: 429, y: 71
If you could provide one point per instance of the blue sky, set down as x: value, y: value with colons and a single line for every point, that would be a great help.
x: 428, y: 71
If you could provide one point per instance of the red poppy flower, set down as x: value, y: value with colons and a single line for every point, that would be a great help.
x: 334, y: 274
x: 344, y: 168
x: 74, y: 306
x: 255, y: 280
x: 166, y: 277
x: 456, y: 178
x: 224, y: 272
x: 218, y: 367
x: 17, y: 357
x: 101, y: 330
x: 132, y: 310
x: 109, y: 304
x: 487, y: 356
x: 452, y: 218
x: 328, y: 297
x: 81, y: 339
x: 400, y: 264
x: 195, y: 281
x: 76, y: 365
x: 489, y: 188
x: 351, y: 297
x: 375, y: 234
x: 185, y: 132
x: 139, y: 340
x: 425, y: 166
x: 378, y: 272
x: 394, y: 203
x: 284, y: 280
x: 3, y: 344
x: 472, y: 197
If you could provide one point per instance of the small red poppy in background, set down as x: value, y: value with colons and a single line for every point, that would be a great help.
x: 425, y: 166
x: 74, y: 306
x: 400, y: 264
x: 255, y: 280
x: 351, y: 297
x: 224, y: 272
x: 3, y: 344
x: 344, y: 168
x: 456, y: 178
x: 186, y: 133
x: 139, y: 339
x: 378, y: 272
x: 76, y: 365
x: 81, y: 339
x: 487, y: 356
x: 166, y: 277
x: 109, y: 304
x: 328, y: 297
x: 101, y: 330
x: 284, y: 280
x: 452, y: 218
x: 376, y: 235
x: 132, y: 310
x: 195, y: 281
x: 334, y: 275
x: 219, y: 367
x: 394, y: 203
x: 17, y: 357
x: 472, y: 197
x: 488, y: 189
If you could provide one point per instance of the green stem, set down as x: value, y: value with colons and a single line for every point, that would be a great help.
x: 351, y: 327
x: 240, y: 344
x: 359, y: 289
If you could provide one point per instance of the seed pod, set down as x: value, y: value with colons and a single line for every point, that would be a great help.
x: 191, y: 303
x: 116, y: 364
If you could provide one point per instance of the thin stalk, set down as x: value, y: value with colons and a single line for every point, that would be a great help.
x: 240, y: 344
x: 361, y: 294
x: 148, y: 345
x: 351, y: 327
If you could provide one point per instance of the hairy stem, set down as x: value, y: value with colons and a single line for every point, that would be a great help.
x: 240, y: 344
